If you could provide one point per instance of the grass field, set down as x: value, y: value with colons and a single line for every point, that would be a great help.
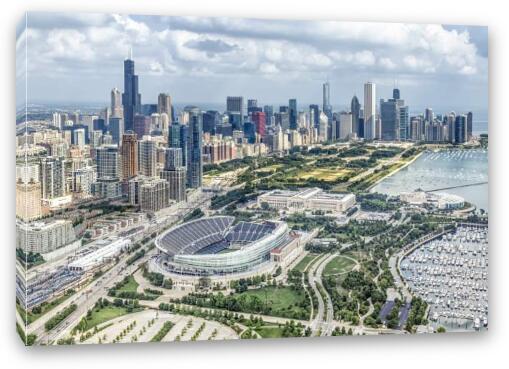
x: 100, y: 316
x: 283, y: 301
x: 338, y: 265
x: 270, y: 331
x: 130, y: 286
x: 330, y: 174
x: 304, y: 262
x: 269, y: 169
x: 357, y: 255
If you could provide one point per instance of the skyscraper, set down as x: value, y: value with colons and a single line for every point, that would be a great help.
x: 355, y: 108
x: 259, y: 122
x: 326, y: 98
x: 141, y: 126
x: 469, y: 125
x: 369, y: 111
x: 234, y: 108
x: 164, y: 105
x: 211, y: 119
x: 252, y: 106
x: 131, y: 99
x: 108, y: 163
x: 234, y: 104
x: 147, y: 158
x: 345, y: 125
x: 460, y: 129
x: 269, y: 113
x: 52, y: 177
x: 28, y: 200
x: 314, y: 116
x: 194, y: 149
x: 390, y: 115
x: 116, y: 103
x: 129, y: 150
x: 150, y: 194
x: 323, y: 128
x: 428, y: 115
x: 116, y: 129
x: 173, y: 158
x: 292, y: 112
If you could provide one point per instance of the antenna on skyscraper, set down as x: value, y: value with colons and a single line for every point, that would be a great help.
x: 130, y: 55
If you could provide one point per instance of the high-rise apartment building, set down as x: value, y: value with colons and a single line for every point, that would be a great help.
x: 147, y: 158
x: 108, y: 162
x: 28, y: 200
x: 52, y: 177
x: 175, y: 174
x: 149, y: 193
x: 129, y: 152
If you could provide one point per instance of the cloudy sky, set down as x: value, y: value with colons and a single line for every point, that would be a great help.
x: 78, y: 58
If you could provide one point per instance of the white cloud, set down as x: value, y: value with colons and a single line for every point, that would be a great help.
x: 387, y: 63
x: 233, y: 48
x: 268, y: 68
x: 69, y: 44
x: 139, y: 31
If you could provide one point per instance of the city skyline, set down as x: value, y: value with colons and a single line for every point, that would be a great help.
x: 185, y: 219
x: 206, y: 59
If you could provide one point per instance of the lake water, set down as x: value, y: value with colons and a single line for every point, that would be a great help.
x: 447, y: 168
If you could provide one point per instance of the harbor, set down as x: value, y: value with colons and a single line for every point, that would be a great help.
x: 451, y: 274
x: 462, y: 172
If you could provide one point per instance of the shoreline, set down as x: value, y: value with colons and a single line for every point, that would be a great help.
x: 371, y: 187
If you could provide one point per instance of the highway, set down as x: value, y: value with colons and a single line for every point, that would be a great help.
x: 323, y: 323
x: 85, y: 300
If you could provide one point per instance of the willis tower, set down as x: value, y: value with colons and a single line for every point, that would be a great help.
x: 131, y: 99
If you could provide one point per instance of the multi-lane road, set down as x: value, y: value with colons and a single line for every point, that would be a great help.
x: 86, y: 298
x: 323, y: 322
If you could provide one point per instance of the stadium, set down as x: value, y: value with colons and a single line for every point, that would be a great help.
x: 215, y: 246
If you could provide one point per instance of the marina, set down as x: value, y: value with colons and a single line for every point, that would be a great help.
x: 461, y: 172
x: 451, y: 275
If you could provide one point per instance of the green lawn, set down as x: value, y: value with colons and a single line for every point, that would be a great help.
x: 283, y: 301
x: 304, y: 262
x: 338, y: 265
x: 100, y: 316
x: 270, y: 331
x: 130, y: 286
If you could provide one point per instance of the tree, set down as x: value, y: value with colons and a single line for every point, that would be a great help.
x: 204, y: 282
x: 441, y: 329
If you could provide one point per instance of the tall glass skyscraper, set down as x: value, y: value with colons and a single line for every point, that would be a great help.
x: 131, y: 99
x: 194, y: 149
x: 326, y: 106
x: 292, y: 110
x: 355, y: 108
